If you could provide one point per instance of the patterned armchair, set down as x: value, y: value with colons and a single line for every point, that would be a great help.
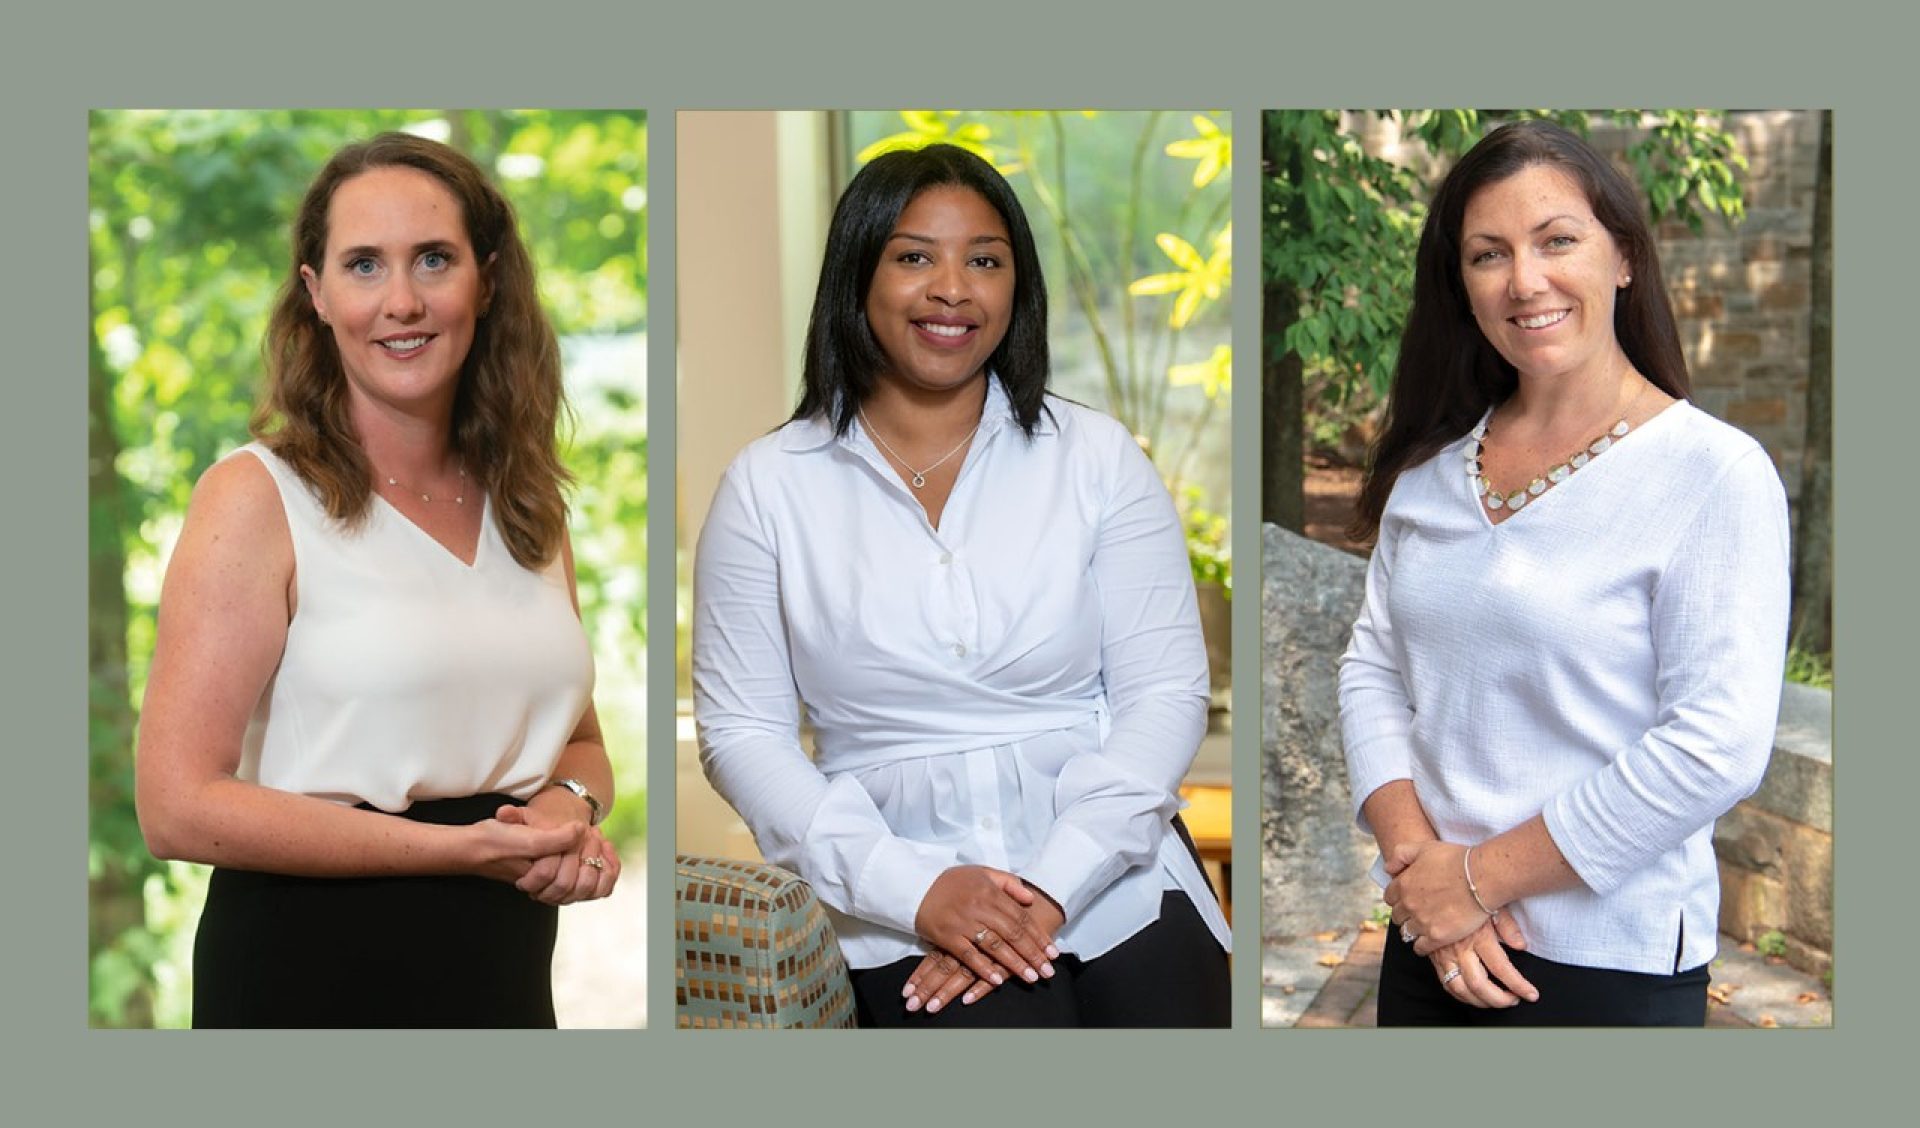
x: 753, y: 949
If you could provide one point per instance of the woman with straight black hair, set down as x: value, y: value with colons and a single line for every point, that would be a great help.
x: 1569, y: 659
x: 981, y: 597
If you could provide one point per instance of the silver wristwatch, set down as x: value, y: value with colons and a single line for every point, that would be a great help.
x: 594, y: 811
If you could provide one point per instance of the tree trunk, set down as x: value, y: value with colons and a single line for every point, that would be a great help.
x: 1813, y: 532
x: 114, y: 901
x: 1283, y: 497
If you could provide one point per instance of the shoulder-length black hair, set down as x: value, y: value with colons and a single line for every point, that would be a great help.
x: 843, y: 359
x: 1448, y: 375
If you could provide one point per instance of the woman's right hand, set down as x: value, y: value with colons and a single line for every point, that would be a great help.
x: 1487, y: 977
x: 981, y: 916
x: 940, y: 978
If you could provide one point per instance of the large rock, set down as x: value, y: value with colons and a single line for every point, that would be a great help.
x: 1314, y: 860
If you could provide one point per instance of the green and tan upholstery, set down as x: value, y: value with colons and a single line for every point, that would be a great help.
x: 753, y: 949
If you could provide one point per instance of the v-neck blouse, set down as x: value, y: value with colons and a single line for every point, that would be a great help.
x: 1024, y: 687
x: 1609, y: 657
x: 409, y: 674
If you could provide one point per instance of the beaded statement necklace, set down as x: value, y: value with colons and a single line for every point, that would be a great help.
x: 1559, y: 472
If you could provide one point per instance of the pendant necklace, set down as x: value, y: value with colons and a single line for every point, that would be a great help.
x: 919, y: 478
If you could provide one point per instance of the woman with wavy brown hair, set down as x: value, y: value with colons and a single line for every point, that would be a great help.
x: 369, y: 705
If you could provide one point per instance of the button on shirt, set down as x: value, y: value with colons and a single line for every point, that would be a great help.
x: 1023, y: 687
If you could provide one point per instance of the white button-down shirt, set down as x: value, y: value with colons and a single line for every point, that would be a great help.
x: 1023, y: 687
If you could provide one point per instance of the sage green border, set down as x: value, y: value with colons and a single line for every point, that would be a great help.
x: 1123, y: 53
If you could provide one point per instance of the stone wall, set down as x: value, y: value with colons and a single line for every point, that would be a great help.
x: 1776, y: 848
x: 1313, y: 874
x: 1742, y: 294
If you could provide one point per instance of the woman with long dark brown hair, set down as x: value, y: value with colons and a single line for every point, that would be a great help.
x: 1569, y: 659
x: 369, y: 705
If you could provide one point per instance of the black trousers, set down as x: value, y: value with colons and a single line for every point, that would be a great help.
x: 1411, y: 995
x: 1170, y: 974
x: 278, y: 951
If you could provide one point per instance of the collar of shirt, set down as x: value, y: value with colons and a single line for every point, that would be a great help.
x: 816, y: 431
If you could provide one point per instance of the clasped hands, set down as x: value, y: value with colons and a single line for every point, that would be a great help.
x: 1432, y: 902
x: 549, y: 851
x: 985, y: 924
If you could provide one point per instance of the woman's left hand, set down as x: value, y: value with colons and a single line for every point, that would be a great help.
x: 583, y: 874
x: 1429, y: 894
x: 1477, y: 970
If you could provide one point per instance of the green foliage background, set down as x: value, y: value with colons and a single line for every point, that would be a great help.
x: 187, y: 242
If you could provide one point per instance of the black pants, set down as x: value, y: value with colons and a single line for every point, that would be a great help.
x: 1411, y: 995
x: 1171, y: 973
x: 277, y: 951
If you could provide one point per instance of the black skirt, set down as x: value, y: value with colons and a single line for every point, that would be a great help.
x: 276, y: 951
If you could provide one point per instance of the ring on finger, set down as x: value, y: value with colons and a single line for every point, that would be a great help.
x: 1407, y: 934
x: 1452, y: 974
x: 595, y: 861
x: 980, y: 937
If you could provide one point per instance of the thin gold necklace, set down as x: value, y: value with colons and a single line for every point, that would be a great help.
x: 459, y: 498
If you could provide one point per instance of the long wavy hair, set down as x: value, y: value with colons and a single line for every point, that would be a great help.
x: 1448, y: 375
x: 507, y: 409
x: 843, y: 361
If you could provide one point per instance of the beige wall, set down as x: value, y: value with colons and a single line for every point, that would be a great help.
x: 753, y: 191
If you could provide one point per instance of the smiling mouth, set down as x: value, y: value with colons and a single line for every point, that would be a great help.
x: 405, y: 344
x: 1541, y: 320
x: 944, y: 329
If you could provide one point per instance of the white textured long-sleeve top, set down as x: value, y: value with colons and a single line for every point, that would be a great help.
x: 1609, y: 657
x: 1023, y: 687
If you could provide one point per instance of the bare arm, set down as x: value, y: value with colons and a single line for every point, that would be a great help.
x: 224, y: 612
x: 1394, y: 813
x: 566, y: 876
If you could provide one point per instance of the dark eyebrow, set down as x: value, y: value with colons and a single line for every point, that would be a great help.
x: 929, y: 240
x: 1534, y: 230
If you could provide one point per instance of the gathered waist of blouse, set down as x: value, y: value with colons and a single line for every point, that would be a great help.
x: 1078, y: 726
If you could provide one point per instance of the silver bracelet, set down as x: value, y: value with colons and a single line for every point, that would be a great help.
x: 1466, y: 863
x: 594, y: 811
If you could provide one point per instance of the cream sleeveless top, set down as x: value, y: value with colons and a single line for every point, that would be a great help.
x: 408, y: 674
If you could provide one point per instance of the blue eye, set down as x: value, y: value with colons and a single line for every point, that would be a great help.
x: 436, y: 260
x: 363, y: 267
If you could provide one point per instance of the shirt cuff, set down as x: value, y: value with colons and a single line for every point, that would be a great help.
x: 1071, y: 868
x: 1586, y: 852
x: 895, y: 880
x: 1371, y: 766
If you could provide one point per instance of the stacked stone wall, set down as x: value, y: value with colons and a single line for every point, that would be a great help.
x: 1742, y: 294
